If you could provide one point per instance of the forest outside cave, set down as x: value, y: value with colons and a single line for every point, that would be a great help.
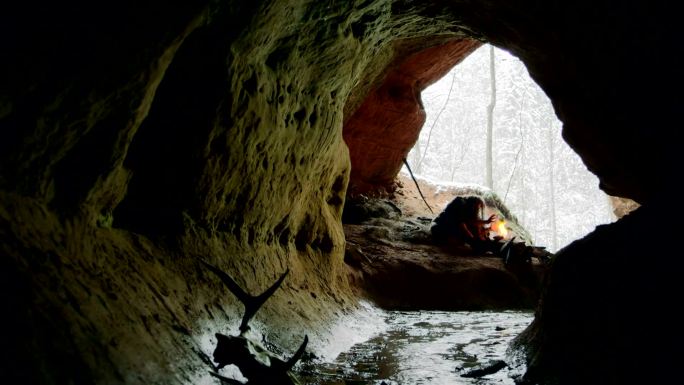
x: 534, y: 172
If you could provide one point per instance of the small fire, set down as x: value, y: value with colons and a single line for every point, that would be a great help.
x: 500, y: 228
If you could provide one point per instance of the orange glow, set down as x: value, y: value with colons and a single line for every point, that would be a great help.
x: 500, y: 228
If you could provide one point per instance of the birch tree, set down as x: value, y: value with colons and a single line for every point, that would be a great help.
x: 489, y: 179
x: 552, y: 187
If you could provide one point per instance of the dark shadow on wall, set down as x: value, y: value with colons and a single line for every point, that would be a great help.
x: 165, y: 157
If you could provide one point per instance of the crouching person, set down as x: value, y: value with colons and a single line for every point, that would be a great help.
x: 460, y: 226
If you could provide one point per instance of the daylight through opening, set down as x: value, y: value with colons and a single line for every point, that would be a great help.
x: 533, y: 171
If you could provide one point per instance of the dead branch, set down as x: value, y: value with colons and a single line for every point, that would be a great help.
x: 252, y: 303
x: 418, y: 187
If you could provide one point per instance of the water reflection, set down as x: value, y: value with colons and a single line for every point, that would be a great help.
x: 425, y: 348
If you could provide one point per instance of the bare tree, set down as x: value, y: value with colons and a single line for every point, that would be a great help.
x: 427, y: 143
x: 490, y: 120
x: 552, y: 187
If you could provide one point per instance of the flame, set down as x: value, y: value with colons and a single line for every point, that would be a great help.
x: 500, y: 228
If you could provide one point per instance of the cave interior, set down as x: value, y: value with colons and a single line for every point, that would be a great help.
x: 139, y: 139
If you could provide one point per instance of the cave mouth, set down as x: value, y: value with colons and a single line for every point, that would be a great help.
x: 541, y: 188
x: 536, y: 175
x: 390, y: 232
x: 380, y: 134
x: 443, y: 135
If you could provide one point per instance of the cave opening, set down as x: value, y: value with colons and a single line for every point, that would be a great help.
x: 389, y: 247
x: 534, y: 173
x: 533, y: 164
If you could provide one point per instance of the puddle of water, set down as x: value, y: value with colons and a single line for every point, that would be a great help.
x: 424, y: 347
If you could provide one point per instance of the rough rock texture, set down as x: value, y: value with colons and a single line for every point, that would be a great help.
x: 382, y: 131
x: 622, y: 206
x: 136, y: 138
x: 399, y: 273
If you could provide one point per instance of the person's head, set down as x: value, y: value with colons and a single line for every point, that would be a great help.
x: 474, y: 206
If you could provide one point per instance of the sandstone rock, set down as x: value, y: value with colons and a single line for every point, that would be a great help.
x: 382, y: 131
x: 623, y: 206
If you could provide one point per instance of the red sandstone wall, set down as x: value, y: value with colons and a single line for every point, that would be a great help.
x: 386, y: 126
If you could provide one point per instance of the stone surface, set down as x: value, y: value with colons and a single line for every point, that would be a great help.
x: 136, y: 139
x: 622, y: 206
x: 403, y: 274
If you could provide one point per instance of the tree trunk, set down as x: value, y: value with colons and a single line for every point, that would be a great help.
x: 416, y: 163
x: 490, y: 120
x: 552, y: 188
x: 434, y: 122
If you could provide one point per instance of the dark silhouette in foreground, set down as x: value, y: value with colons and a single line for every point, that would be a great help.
x: 255, y: 362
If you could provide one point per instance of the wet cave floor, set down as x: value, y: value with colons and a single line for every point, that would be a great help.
x: 425, y: 347
x: 395, y: 265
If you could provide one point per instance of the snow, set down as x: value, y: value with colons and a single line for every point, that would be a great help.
x: 539, y: 178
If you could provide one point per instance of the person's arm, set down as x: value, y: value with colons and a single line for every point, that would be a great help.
x: 467, y: 231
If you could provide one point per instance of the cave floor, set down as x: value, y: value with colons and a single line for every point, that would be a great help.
x: 427, y: 347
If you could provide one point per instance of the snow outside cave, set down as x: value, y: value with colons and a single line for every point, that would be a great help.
x: 541, y: 180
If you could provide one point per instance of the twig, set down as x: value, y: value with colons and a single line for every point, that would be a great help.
x: 522, y: 144
x: 427, y: 143
x: 252, y: 303
x: 490, y: 368
x: 418, y: 187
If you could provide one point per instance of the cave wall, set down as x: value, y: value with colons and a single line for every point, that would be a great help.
x: 138, y: 138
x: 607, y: 314
x: 383, y: 129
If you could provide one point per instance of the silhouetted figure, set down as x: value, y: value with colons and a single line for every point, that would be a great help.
x: 461, y: 223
